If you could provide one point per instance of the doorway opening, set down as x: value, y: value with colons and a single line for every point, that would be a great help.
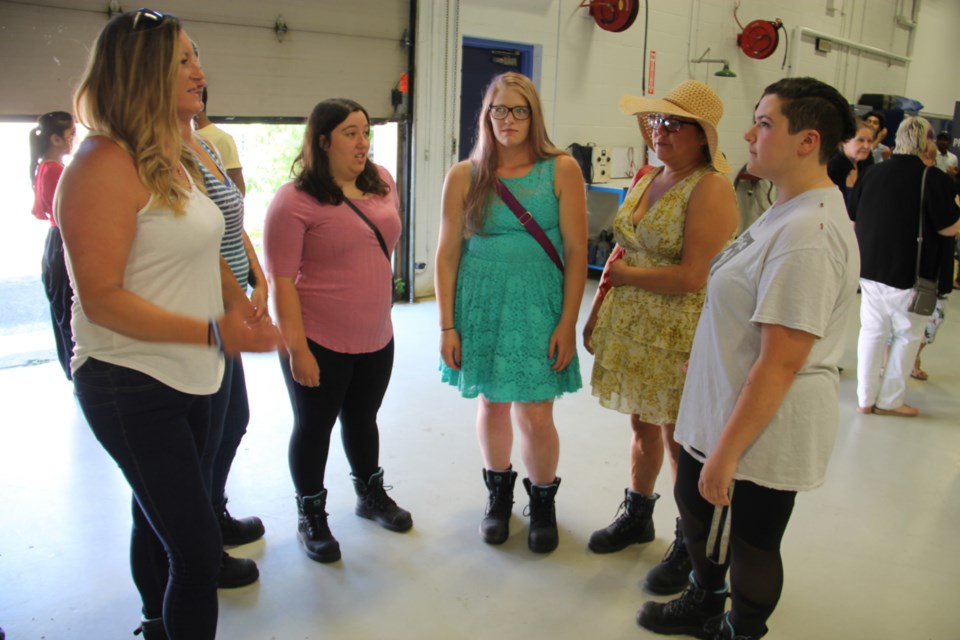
x: 482, y: 60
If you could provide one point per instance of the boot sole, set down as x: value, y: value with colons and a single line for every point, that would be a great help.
x: 236, y: 584
x: 399, y: 528
x: 321, y: 558
x: 602, y: 550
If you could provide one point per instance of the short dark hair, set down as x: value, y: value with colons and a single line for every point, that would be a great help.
x: 809, y: 103
x: 943, y: 135
x: 879, y: 116
x: 311, y: 169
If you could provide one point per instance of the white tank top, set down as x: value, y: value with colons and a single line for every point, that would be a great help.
x: 174, y: 262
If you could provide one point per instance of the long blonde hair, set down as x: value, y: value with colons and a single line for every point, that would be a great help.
x: 127, y: 94
x: 484, y: 153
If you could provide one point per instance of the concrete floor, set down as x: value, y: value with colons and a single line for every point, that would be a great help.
x: 872, y: 554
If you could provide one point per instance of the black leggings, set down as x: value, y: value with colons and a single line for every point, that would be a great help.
x: 352, y: 387
x: 759, y: 519
x: 56, y: 284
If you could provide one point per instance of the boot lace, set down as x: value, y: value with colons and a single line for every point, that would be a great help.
x: 378, y: 499
x: 499, y: 505
x: 623, y: 520
x: 316, y: 525
x: 676, y: 552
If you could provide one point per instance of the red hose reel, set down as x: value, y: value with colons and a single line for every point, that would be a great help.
x: 759, y: 39
x: 613, y: 15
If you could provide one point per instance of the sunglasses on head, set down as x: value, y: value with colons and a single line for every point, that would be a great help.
x: 146, y: 19
x: 671, y: 124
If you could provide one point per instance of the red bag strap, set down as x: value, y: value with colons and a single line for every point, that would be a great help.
x: 526, y: 219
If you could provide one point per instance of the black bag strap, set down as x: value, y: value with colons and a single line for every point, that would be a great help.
x: 526, y: 219
x: 373, y: 227
x: 923, y: 184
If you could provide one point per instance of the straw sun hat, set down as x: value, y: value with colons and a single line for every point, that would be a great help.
x: 690, y: 100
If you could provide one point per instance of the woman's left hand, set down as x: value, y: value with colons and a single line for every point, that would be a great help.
x: 619, y: 270
x: 259, y: 301
x: 563, y: 346
x: 715, y: 479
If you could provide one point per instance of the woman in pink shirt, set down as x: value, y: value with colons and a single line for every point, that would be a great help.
x: 50, y: 141
x: 328, y: 237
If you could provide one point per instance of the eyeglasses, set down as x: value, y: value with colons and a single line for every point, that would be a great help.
x: 146, y: 19
x: 499, y: 112
x: 672, y: 125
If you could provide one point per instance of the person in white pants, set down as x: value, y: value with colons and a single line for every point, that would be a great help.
x: 885, y: 206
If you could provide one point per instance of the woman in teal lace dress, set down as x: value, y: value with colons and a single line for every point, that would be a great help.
x: 507, y: 312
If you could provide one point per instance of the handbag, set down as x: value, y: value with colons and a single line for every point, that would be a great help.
x: 526, y: 219
x: 923, y: 302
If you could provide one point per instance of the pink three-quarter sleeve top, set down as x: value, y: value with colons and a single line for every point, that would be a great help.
x: 343, y: 279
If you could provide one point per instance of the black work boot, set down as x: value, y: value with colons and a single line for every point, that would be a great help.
x: 688, y: 614
x: 236, y: 572
x: 672, y: 574
x: 151, y: 629
x: 237, y: 531
x: 313, y: 531
x: 633, y: 524
x: 543, y: 536
x: 495, y: 527
x: 373, y: 503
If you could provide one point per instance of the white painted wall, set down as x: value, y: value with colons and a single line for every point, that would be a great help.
x: 584, y: 70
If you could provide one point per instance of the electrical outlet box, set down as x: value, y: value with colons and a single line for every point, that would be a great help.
x: 823, y: 46
x: 601, y: 164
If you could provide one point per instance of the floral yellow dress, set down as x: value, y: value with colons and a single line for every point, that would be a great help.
x: 642, y: 339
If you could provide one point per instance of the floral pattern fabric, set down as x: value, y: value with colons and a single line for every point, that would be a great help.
x: 642, y: 339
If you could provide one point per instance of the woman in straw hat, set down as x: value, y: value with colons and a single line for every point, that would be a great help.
x: 759, y: 411
x: 671, y: 225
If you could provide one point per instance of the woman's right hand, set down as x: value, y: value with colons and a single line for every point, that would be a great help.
x: 450, y: 348
x: 304, y: 367
x: 588, y: 334
x: 238, y: 333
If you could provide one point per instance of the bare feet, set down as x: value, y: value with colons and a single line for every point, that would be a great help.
x: 903, y: 411
x: 865, y: 409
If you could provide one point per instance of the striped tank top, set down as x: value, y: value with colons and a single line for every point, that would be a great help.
x: 227, y: 196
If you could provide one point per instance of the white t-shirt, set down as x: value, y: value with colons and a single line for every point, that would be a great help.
x: 797, y: 266
x: 226, y: 146
x: 174, y: 262
x: 946, y: 161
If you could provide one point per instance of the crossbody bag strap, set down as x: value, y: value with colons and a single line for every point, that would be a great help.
x: 526, y: 219
x: 373, y: 227
x: 923, y: 184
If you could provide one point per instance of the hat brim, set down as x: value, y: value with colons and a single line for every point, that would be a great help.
x: 640, y: 107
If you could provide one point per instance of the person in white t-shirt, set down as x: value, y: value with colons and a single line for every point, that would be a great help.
x: 759, y: 410
x: 945, y: 159
x: 224, y: 143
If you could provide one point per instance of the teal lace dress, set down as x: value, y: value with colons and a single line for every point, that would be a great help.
x: 508, y: 301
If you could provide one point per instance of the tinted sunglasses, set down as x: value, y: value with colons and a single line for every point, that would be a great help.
x: 146, y: 19
x: 672, y: 125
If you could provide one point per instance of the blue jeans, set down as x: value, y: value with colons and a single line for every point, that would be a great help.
x: 156, y: 436
x: 230, y: 413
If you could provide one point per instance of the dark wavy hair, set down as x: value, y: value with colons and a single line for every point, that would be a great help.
x: 55, y: 123
x: 809, y: 103
x: 311, y: 169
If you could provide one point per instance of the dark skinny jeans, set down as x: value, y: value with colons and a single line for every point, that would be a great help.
x: 352, y: 387
x: 156, y: 436
x: 230, y: 411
